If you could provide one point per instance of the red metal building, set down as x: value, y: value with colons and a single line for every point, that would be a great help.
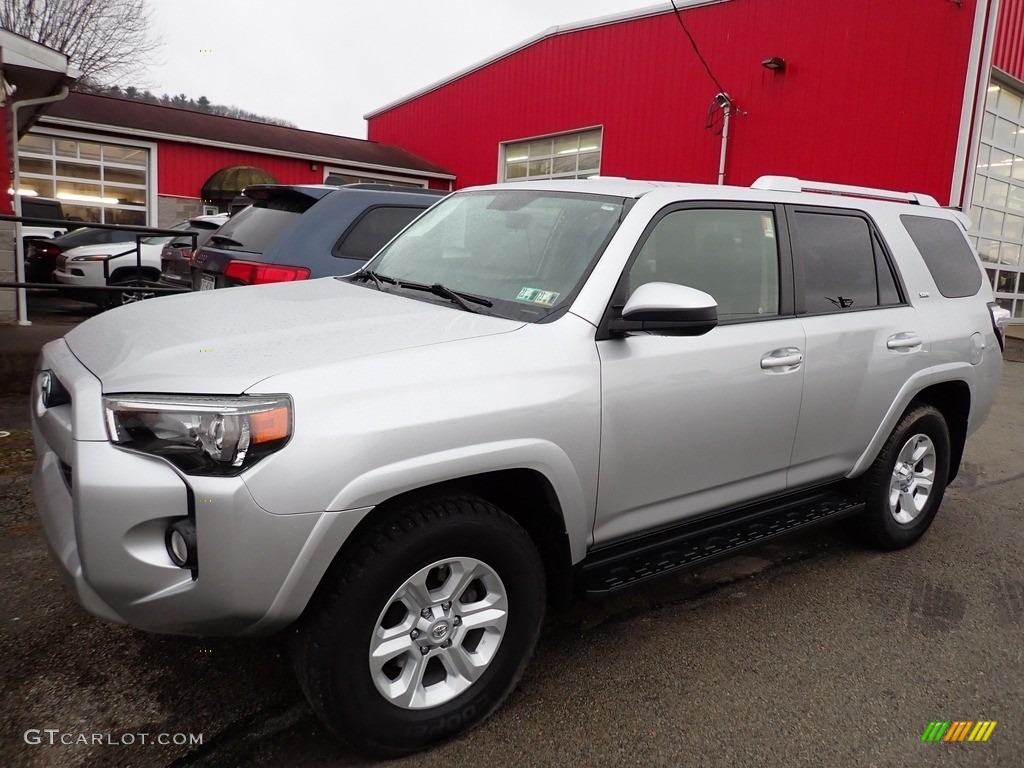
x: 889, y: 94
x: 115, y: 160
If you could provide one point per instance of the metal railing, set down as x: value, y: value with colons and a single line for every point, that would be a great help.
x: 137, y: 278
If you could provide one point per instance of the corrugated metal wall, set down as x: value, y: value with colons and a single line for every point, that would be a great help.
x: 1009, y: 48
x: 871, y: 94
x: 184, y: 168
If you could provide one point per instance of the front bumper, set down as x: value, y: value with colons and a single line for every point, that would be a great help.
x: 84, y: 280
x: 105, y: 512
x: 171, y: 280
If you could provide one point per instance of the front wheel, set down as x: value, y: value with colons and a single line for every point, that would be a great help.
x: 131, y: 292
x: 905, y: 484
x: 425, y: 628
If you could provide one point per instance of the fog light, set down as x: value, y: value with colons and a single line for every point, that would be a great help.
x: 181, y: 543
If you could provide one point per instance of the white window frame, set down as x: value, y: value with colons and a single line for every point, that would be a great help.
x: 97, y: 138
x: 996, y: 270
x: 504, y: 145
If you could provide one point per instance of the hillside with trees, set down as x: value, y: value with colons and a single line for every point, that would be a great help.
x: 182, y: 101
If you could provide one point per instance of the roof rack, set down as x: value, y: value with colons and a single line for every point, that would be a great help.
x: 793, y: 184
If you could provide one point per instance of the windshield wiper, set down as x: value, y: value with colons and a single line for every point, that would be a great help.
x: 459, y: 297
x: 378, y: 280
x: 225, y: 240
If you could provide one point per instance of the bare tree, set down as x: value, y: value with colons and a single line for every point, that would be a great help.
x: 108, y: 40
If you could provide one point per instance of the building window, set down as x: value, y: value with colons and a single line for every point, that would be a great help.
x: 565, y: 156
x: 95, y: 182
x: 997, y: 204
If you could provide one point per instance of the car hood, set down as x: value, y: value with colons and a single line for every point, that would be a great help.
x: 225, y: 341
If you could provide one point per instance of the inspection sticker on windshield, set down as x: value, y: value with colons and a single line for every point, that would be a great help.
x: 537, y: 296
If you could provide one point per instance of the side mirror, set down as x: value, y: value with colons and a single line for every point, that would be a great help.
x: 667, y: 309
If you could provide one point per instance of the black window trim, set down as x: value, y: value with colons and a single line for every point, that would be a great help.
x: 877, y: 241
x: 617, y: 301
x: 336, y: 248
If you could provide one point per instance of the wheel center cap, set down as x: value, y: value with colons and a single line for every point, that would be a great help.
x: 906, y: 476
x: 440, y: 630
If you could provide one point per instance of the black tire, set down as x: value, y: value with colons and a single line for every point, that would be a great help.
x: 331, y: 644
x: 883, y: 526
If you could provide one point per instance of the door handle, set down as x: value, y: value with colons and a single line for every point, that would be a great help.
x: 904, y: 342
x: 782, y: 360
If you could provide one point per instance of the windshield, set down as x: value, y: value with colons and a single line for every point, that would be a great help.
x: 526, y: 251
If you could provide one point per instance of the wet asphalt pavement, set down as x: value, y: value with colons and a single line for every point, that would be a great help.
x: 814, y: 651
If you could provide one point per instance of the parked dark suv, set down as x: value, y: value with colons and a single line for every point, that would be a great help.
x: 176, y: 256
x: 294, y: 232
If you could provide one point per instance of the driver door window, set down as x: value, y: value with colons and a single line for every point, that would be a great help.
x: 731, y: 254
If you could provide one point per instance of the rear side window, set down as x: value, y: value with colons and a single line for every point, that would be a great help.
x: 373, y: 230
x: 946, y: 253
x: 844, y: 266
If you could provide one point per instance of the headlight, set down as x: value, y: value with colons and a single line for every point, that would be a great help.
x: 99, y: 257
x: 201, y: 435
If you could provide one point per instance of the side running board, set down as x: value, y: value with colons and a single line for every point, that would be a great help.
x: 704, y: 541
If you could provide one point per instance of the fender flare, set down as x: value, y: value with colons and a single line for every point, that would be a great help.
x: 942, y: 374
x: 546, y: 458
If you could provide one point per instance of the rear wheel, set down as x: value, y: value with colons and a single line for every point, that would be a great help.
x: 425, y: 628
x: 905, y: 484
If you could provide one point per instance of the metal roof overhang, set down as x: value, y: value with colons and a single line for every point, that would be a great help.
x: 33, y: 71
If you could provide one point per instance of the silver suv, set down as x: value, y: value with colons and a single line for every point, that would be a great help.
x: 534, y: 391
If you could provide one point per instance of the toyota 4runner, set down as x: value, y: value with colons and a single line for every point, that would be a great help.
x: 534, y: 391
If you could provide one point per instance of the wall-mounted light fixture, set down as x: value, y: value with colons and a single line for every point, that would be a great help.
x: 775, y: 63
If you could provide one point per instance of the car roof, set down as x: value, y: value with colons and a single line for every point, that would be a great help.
x: 597, y: 185
x: 215, y: 218
x: 775, y: 189
x: 318, y: 191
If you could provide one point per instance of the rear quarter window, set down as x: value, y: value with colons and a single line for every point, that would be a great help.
x: 946, y: 253
x: 373, y: 230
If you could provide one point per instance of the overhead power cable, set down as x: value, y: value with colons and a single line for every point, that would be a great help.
x: 679, y: 18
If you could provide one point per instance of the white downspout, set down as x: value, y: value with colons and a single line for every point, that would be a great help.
x: 726, y: 112
x: 19, y: 246
x: 979, y: 76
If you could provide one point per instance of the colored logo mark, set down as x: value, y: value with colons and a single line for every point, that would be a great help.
x: 958, y: 730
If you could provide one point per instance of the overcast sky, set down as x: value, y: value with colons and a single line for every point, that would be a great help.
x: 323, y: 64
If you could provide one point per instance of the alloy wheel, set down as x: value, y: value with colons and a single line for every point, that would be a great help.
x: 438, y: 633
x: 913, y: 477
